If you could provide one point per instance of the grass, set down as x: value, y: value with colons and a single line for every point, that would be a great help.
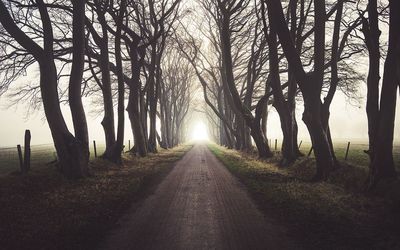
x: 356, y: 155
x: 331, y: 215
x: 41, y: 155
x: 44, y: 210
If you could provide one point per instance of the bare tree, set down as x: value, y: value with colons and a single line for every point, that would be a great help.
x: 382, y: 165
x: 102, y: 42
x: 176, y: 88
x: 72, y: 151
x: 310, y: 84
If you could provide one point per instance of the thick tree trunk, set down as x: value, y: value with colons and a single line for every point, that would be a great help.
x: 382, y: 166
x: 81, y: 151
x: 108, y: 118
x: 325, y: 124
x: 259, y: 137
x: 133, y: 104
x: 73, y: 153
x: 370, y: 28
x: 292, y: 122
x: 117, y: 149
x: 163, y: 120
x: 152, y: 97
x: 310, y: 86
x: 322, y: 150
x: 140, y: 145
x: 280, y: 104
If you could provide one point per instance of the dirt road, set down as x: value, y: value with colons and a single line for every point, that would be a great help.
x: 199, y: 205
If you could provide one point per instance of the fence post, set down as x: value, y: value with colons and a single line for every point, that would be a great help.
x: 309, y: 153
x: 27, y: 150
x: 129, y: 145
x: 95, y: 150
x: 347, y: 151
x: 21, y: 161
x: 276, y: 144
x: 300, y: 144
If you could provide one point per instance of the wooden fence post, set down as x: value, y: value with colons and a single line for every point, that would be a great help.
x: 27, y: 151
x: 21, y: 161
x: 129, y: 145
x: 276, y: 144
x: 347, y: 151
x: 95, y: 149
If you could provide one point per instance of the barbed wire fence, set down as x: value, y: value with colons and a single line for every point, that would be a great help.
x: 41, y: 155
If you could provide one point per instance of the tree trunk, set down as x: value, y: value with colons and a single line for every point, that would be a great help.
x: 133, y: 104
x: 382, y: 166
x: 288, y: 153
x: 370, y: 28
x: 255, y: 127
x: 108, y: 118
x: 316, y: 129
x: 73, y: 153
x: 259, y: 137
x: 310, y: 86
x: 152, y: 98
x: 116, y: 151
x: 81, y: 152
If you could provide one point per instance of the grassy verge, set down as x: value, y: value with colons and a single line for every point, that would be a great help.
x: 356, y: 155
x: 44, y: 210
x: 329, y: 215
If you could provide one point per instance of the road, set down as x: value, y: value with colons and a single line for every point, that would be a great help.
x: 199, y: 205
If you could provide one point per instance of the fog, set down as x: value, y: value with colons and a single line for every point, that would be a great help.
x: 348, y: 122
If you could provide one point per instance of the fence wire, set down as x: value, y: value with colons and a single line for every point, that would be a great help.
x: 41, y: 155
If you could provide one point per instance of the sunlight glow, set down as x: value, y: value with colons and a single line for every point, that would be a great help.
x: 199, y: 132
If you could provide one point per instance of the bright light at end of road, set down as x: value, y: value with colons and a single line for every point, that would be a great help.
x: 199, y: 132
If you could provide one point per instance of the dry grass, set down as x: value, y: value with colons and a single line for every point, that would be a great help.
x: 331, y: 215
x: 45, y: 210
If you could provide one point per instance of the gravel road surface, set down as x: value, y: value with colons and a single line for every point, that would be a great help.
x: 199, y: 205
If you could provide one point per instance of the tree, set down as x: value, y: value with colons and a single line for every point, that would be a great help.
x: 382, y: 165
x: 310, y: 84
x: 283, y: 107
x: 162, y: 15
x: 116, y: 156
x: 370, y: 29
x: 176, y: 88
x: 227, y: 25
x: 102, y: 42
x: 72, y: 151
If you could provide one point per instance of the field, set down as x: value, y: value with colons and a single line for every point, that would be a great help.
x: 356, y: 155
x: 44, y: 154
x: 41, y: 155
